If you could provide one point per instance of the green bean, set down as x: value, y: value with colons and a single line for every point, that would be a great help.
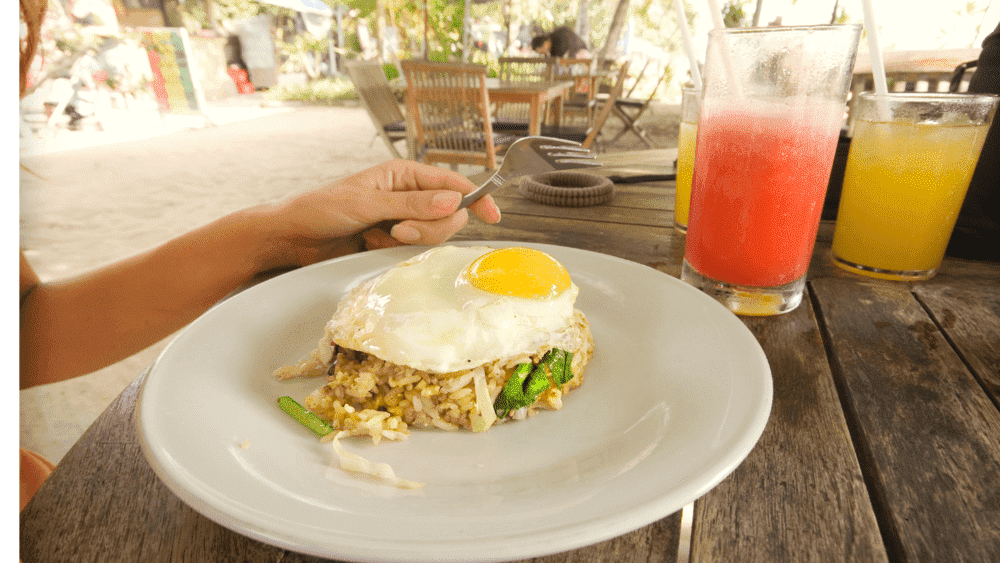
x: 564, y: 371
x: 513, y: 391
x: 525, y: 384
x: 306, y: 417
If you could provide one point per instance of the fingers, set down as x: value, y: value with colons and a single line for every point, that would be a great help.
x: 486, y: 209
x: 405, y: 202
x: 411, y: 190
x: 429, y: 232
x: 409, y: 175
x: 376, y: 239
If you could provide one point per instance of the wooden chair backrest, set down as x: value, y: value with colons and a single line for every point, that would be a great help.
x: 602, y: 116
x: 449, y: 107
x: 375, y: 92
x: 909, y: 71
x: 526, y: 69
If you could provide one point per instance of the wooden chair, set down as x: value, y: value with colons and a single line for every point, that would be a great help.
x: 449, y: 107
x: 629, y: 109
x: 380, y: 102
x: 526, y: 69
x: 514, y: 118
x: 588, y: 75
x: 587, y: 135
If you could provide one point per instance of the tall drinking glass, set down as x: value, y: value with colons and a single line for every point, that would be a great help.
x: 911, y: 160
x: 773, y: 105
x: 690, y: 109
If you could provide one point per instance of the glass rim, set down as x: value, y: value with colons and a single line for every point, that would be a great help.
x: 930, y: 96
x: 784, y: 28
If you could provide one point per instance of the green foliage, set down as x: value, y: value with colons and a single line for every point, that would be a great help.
x: 323, y: 91
x: 653, y: 21
x: 301, y: 54
x: 194, y: 10
x: 391, y: 72
x: 238, y: 9
x: 733, y: 14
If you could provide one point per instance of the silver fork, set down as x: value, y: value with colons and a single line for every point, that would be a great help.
x: 534, y: 155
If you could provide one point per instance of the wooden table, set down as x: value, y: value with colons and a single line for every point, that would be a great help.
x: 535, y: 94
x: 883, y: 442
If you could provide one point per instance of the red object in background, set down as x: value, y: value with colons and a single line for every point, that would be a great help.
x: 158, y: 82
x: 242, y: 80
x: 101, y: 76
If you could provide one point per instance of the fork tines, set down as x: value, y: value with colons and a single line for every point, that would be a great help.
x: 581, y: 157
x: 579, y: 162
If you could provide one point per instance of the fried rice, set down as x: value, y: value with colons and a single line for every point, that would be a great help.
x: 368, y: 396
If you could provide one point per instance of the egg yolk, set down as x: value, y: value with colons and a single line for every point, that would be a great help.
x: 518, y: 272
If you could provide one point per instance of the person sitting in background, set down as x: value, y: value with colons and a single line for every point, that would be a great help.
x: 977, y: 230
x: 561, y: 42
x: 73, y: 327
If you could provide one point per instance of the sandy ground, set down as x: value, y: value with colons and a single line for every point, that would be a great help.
x: 84, y: 207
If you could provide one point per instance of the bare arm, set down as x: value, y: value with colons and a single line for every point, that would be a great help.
x: 76, y: 326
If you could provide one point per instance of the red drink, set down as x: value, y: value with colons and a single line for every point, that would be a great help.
x: 759, y: 181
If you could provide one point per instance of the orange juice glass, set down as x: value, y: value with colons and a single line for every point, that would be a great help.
x: 690, y: 109
x: 911, y: 160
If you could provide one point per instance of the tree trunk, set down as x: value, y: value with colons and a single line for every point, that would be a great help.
x: 583, y: 21
x: 756, y: 13
x: 615, y: 31
x: 212, y: 13
x: 380, y: 27
x: 508, y: 24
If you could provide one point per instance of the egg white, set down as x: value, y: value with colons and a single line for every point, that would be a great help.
x: 424, y: 315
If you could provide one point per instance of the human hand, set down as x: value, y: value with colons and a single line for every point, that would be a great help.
x: 337, y: 219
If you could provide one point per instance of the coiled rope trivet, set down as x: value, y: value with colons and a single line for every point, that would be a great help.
x: 568, y: 188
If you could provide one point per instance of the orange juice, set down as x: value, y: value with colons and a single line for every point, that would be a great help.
x: 903, y: 189
x: 686, y: 142
x: 685, y: 170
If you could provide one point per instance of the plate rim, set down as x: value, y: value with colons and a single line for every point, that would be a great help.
x: 573, y: 536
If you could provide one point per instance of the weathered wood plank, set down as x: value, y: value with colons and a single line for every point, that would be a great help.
x: 627, y: 215
x: 655, y: 543
x: 970, y: 315
x: 927, y: 433
x: 638, y: 204
x: 800, y: 494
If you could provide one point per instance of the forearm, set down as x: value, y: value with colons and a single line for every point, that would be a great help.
x: 77, y: 326
x: 73, y: 327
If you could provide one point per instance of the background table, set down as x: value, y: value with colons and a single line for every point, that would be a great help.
x: 883, y: 442
x: 535, y: 94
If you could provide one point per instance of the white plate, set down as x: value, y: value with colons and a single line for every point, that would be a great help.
x: 676, y: 396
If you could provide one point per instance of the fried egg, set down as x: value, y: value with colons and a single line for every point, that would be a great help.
x: 454, y: 308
